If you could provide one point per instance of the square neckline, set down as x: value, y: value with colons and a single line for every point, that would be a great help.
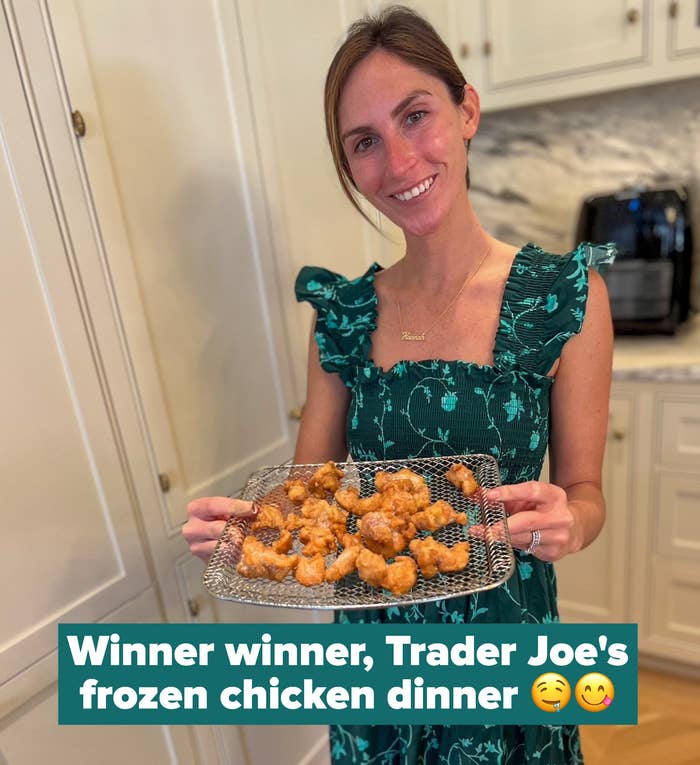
x: 460, y: 362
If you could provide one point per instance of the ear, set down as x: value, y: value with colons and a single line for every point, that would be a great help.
x: 471, y: 112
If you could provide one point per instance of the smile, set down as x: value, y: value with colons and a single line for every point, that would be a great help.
x: 594, y: 703
x: 416, y: 191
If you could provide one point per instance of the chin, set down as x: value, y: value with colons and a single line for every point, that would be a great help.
x: 423, y: 225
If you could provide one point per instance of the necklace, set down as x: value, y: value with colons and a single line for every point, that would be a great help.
x: 420, y: 336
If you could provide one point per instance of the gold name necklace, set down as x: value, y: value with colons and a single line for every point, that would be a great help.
x: 420, y: 336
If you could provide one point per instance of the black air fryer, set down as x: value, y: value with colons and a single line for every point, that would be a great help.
x: 649, y: 282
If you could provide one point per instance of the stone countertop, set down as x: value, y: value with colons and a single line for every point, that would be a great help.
x: 660, y: 358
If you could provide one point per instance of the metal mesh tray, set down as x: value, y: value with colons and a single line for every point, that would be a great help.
x: 491, y: 559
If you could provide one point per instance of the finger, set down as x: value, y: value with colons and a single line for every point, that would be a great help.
x: 217, y: 508
x: 533, y: 491
x: 525, y: 522
x: 196, y: 530
x: 517, y: 506
x: 203, y: 550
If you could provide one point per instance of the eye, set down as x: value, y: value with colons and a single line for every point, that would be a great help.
x: 588, y: 688
x: 600, y: 688
x: 414, y: 117
x: 364, y: 144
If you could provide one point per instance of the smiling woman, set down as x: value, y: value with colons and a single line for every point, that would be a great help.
x: 508, y: 353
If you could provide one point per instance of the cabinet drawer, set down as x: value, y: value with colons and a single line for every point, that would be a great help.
x: 677, y: 520
x: 675, y: 610
x: 680, y: 433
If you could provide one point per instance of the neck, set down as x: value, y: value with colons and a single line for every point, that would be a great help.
x: 438, y: 261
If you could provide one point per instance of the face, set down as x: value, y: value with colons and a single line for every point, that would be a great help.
x: 404, y: 136
x: 551, y: 692
x: 595, y: 692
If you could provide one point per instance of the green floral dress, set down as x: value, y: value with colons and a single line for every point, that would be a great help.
x: 435, y: 408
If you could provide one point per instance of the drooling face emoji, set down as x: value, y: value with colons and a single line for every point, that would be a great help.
x: 551, y: 692
x: 594, y: 692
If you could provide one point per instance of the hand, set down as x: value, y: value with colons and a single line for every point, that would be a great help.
x: 207, y: 518
x: 535, y: 505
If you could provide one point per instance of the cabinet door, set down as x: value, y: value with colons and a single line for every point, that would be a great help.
x: 684, y: 29
x: 171, y: 169
x: 546, y: 39
x: 592, y: 584
x: 71, y: 547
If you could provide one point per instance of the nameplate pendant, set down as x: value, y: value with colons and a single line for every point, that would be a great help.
x: 409, y: 336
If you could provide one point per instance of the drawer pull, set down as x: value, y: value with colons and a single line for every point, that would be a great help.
x: 193, y: 605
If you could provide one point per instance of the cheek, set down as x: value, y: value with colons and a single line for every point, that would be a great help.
x: 367, y: 175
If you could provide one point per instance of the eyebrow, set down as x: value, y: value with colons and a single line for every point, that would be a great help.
x: 394, y: 112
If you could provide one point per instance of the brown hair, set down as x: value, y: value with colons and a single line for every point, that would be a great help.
x: 404, y: 33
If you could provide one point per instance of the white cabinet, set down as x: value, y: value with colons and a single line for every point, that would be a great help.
x: 671, y: 627
x: 546, y: 50
x: 593, y: 585
x: 684, y: 29
x: 645, y: 566
x: 532, y: 41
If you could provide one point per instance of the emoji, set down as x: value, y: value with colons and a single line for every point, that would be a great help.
x: 594, y: 692
x: 551, y: 692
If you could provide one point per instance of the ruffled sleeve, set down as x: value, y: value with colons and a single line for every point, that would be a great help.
x: 346, y: 316
x: 544, y: 304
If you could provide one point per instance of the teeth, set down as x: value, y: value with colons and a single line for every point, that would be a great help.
x: 415, y: 191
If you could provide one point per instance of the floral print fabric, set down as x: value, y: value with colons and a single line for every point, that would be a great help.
x: 438, y: 408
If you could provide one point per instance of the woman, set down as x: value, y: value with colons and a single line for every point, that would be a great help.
x: 465, y: 345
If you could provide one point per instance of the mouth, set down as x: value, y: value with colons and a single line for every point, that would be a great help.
x: 415, y: 191
x: 605, y: 701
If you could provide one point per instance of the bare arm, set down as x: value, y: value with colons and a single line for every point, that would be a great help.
x: 580, y: 402
x: 322, y: 431
x: 570, y: 511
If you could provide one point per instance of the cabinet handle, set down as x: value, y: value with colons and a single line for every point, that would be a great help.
x: 673, y: 9
x: 464, y: 50
x: 164, y: 481
x: 488, y: 48
x: 78, y: 124
x: 633, y: 16
x: 193, y: 605
x: 618, y: 435
x: 296, y: 413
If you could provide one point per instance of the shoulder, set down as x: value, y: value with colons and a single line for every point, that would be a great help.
x: 321, y: 287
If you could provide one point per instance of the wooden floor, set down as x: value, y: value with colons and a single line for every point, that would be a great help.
x: 668, y: 732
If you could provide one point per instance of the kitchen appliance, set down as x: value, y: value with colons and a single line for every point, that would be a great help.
x: 649, y: 282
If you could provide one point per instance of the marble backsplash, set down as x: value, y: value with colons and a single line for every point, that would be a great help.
x: 531, y: 167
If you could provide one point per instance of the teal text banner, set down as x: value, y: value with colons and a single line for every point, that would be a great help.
x: 272, y: 674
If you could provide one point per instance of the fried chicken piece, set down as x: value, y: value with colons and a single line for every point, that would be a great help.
x: 349, y: 499
x: 396, y: 501
x: 296, y: 490
x: 433, y: 556
x: 454, y: 558
x: 371, y: 567
x: 317, y: 540
x: 310, y: 571
x: 405, y: 480
x: 463, y: 478
x: 350, y: 540
x: 345, y: 563
x: 400, y: 575
x: 269, y: 517
x: 283, y: 544
x: 425, y: 551
x: 318, y: 512
x: 326, y: 480
x: 386, y: 534
x: 260, y: 561
x: 322, y: 513
x: 437, y: 515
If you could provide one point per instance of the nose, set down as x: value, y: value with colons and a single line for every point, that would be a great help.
x: 399, y: 155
